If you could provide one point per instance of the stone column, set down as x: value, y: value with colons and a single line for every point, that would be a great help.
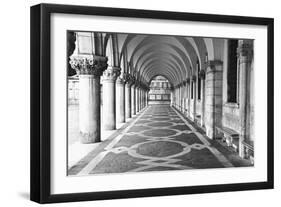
x: 143, y: 96
x: 172, y: 97
x: 177, y: 97
x: 137, y: 98
x: 194, y: 97
x: 245, y: 53
x: 202, y: 77
x: 90, y: 69
x: 128, y: 108
x: 147, y: 97
x: 140, y: 98
x: 120, y: 99
x: 109, y: 98
x: 180, y: 96
x: 133, y: 99
x: 193, y: 101
x: 187, y: 97
x: 213, y: 103
x: 190, y: 100
x: 183, y: 96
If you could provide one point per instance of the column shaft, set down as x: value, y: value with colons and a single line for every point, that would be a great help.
x: 137, y: 99
x: 109, y: 97
x: 194, y: 101
x: 133, y: 99
x: 147, y: 97
x: 89, y: 108
x: 191, y: 97
x: 203, y: 103
x: 187, y: 99
x: 128, y: 109
x: 142, y: 99
x: 213, y: 103
x: 120, y: 101
x: 109, y: 112
x: 245, y: 56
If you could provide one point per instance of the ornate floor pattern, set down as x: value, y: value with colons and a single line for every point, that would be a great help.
x: 158, y: 139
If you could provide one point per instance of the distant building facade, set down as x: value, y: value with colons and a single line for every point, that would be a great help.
x: 160, y: 91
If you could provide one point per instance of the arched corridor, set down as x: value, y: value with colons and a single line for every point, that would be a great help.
x: 149, y: 102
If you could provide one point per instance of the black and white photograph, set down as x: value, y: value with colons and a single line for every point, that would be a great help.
x: 140, y: 103
x: 150, y: 102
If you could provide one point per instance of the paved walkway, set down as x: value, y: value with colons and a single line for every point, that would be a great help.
x: 159, y: 138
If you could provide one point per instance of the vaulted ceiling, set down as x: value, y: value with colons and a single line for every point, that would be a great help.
x: 171, y: 56
x: 146, y: 56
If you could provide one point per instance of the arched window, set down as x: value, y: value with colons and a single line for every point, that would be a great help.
x: 232, y: 72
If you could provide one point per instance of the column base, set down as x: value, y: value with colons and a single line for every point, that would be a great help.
x: 89, y: 138
x: 109, y: 127
x: 210, y: 132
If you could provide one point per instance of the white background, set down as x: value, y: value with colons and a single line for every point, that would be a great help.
x: 14, y: 109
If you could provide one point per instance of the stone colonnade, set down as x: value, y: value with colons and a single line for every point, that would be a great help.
x: 123, y: 96
x: 207, y: 111
x: 184, y: 98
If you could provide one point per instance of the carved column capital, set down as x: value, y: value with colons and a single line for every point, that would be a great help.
x: 202, y: 74
x: 212, y: 65
x: 193, y: 77
x: 132, y: 79
x: 121, y: 79
x: 111, y: 73
x: 141, y: 85
x: 129, y: 79
x: 137, y: 83
x: 89, y: 65
x: 245, y: 50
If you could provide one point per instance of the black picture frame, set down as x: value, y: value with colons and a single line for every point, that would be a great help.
x: 41, y: 99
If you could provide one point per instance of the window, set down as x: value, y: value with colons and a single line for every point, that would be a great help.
x: 158, y: 84
x: 232, y: 72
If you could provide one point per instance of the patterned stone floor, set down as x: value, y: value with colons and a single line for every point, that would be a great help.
x: 157, y: 139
